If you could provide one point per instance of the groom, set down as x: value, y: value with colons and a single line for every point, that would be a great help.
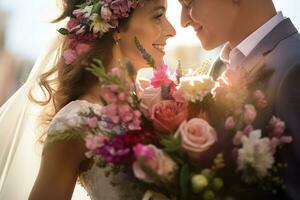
x: 252, y: 30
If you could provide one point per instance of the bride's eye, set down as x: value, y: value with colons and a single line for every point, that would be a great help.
x: 158, y: 17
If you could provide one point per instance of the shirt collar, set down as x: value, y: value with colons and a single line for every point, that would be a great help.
x: 247, y: 45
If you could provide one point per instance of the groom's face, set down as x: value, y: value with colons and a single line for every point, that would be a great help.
x: 213, y: 20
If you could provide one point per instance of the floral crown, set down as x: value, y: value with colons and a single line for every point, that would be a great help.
x: 92, y: 20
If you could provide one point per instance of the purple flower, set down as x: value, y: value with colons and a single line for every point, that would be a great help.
x: 120, y: 9
x: 114, y: 151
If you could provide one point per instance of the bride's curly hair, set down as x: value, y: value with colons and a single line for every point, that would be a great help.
x: 71, y: 81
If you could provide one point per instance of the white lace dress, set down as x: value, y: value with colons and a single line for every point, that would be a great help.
x: 96, y: 183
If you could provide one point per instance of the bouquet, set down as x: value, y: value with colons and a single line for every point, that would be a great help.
x: 185, y: 136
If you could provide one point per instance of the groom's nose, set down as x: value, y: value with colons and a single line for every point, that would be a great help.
x: 185, y: 18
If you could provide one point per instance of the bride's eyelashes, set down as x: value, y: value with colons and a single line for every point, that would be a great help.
x: 158, y: 17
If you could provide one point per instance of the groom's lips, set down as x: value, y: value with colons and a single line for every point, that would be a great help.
x: 198, y: 29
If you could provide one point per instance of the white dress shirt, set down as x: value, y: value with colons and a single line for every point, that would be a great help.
x: 235, y: 56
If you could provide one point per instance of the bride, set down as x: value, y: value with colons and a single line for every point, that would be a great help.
x: 70, y: 88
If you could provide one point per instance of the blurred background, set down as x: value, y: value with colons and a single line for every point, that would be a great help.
x: 25, y: 31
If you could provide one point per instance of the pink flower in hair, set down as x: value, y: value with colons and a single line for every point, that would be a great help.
x: 69, y: 56
x: 106, y: 12
x: 120, y: 9
x: 82, y: 48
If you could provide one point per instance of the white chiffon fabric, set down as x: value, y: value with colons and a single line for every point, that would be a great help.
x: 19, y: 150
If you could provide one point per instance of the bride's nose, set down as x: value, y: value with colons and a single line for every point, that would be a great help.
x: 170, y: 31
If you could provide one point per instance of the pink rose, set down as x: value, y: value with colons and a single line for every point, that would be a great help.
x: 156, y: 160
x: 167, y: 115
x: 197, y: 136
x: 229, y: 123
x: 149, y: 97
x: 249, y: 114
x: 69, y: 56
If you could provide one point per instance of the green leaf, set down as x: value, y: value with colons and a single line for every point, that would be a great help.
x: 63, y: 31
x: 184, y: 181
x: 97, y: 68
x: 171, y: 145
x: 130, y: 68
x: 145, y: 54
x: 96, y: 8
x: 82, y: 6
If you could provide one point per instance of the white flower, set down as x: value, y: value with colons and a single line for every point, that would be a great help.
x: 255, y: 153
x: 99, y: 25
x: 195, y: 88
x: 87, y: 11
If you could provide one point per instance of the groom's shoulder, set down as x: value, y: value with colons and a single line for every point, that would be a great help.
x: 287, y: 52
x: 284, y: 59
x: 290, y: 45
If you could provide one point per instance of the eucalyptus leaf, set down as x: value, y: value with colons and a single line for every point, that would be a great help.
x: 145, y: 54
x: 63, y: 31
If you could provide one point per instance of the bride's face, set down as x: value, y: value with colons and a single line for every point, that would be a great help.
x: 213, y: 20
x: 150, y: 25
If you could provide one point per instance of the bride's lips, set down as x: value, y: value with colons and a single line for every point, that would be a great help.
x: 159, y: 47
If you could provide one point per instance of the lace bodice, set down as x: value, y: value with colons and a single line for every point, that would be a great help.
x: 98, y: 185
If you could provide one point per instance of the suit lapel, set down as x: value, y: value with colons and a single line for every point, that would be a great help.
x: 251, y: 63
x: 282, y: 31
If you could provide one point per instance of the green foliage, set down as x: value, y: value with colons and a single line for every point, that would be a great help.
x: 130, y: 68
x: 97, y: 68
x: 145, y: 54
x: 184, y: 181
x: 63, y: 31
x: 171, y: 144
x: 70, y: 134
x: 96, y: 7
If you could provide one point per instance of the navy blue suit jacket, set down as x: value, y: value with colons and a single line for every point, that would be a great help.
x: 280, y: 52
